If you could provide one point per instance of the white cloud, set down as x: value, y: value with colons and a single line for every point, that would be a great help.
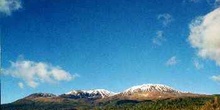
x: 172, y: 61
x: 205, y: 36
x: 34, y: 73
x: 159, y: 38
x: 216, y: 78
x: 165, y: 18
x: 8, y: 6
x: 198, y: 65
x: 21, y: 85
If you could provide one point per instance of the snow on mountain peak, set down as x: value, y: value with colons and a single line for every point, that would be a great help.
x: 150, y: 88
x: 35, y: 95
x: 102, y: 92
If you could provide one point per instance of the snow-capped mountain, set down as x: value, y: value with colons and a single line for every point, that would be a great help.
x: 150, y: 88
x: 91, y: 94
x: 139, y: 93
x: 41, y: 95
x: 150, y: 92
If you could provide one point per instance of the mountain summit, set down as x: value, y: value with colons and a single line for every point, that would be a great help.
x: 90, y: 94
x: 150, y: 88
x: 150, y: 92
x: 139, y: 93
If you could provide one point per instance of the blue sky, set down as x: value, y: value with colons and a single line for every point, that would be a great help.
x: 84, y: 44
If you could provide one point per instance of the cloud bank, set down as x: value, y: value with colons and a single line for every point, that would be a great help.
x: 8, y: 6
x: 34, y: 73
x: 205, y: 36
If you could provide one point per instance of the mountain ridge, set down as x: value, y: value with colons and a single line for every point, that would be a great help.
x: 147, y: 96
x: 139, y: 92
x: 103, y: 93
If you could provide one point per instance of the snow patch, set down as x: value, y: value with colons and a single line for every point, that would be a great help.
x: 102, y: 92
x: 150, y: 88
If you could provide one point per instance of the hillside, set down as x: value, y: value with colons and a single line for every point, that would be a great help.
x: 146, y: 96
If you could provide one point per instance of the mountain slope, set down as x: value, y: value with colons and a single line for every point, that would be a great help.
x: 147, y: 96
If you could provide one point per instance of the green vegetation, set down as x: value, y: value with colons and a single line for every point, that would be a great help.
x: 166, y: 104
x: 188, y: 103
x: 212, y: 105
x: 31, y: 105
